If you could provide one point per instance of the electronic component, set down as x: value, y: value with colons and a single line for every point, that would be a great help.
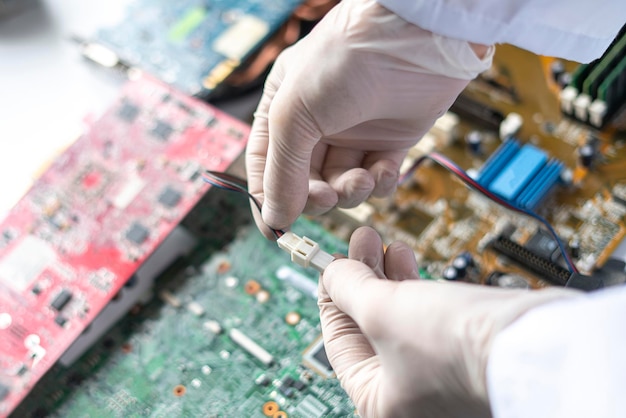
x: 508, y: 281
x: 149, y: 353
x: 474, y: 141
x: 298, y: 280
x: 583, y: 282
x: 545, y: 268
x: 213, y: 326
x: 315, y: 357
x: 596, y: 93
x: 170, y: 197
x: 522, y: 175
x: 612, y: 273
x: 128, y: 112
x: 251, y: 347
x: 299, y: 385
x: 61, y: 299
x: 137, y: 233
x: 485, y: 115
x: 542, y: 244
x: 462, y: 263
x: 586, y: 155
x: 60, y: 320
x: 557, y: 69
x: 619, y: 193
x: 510, y: 126
x: 450, y: 273
x: 162, y: 130
x: 88, y: 223
x: 304, y: 251
x: 311, y: 407
x: 286, y: 390
x: 136, y: 290
x: 169, y: 298
x: 414, y: 221
x: 192, y: 45
x: 292, y: 318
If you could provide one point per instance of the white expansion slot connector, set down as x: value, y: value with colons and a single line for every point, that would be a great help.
x: 304, y: 251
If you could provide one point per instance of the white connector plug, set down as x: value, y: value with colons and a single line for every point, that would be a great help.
x: 304, y: 251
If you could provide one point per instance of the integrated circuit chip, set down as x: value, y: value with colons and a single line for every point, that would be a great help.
x: 316, y: 358
x: 137, y: 233
x: 542, y: 244
x: 128, y: 112
x: 414, y: 221
x: 162, y: 130
x: 169, y: 197
x: 61, y: 299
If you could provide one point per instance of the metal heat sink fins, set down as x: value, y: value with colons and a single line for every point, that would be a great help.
x: 523, y: 175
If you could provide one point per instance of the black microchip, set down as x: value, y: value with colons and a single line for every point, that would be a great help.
x: 4, y: 391
x: 61, y: 299
x: 299, y: 385
x: 137, y: 233
x: 169, y: 197
x: 287, y: 391
x: 288, y: 381
x: 60, y: 320
x: 322, y: 358
x: 162, y: 130
x: 128, y: 112
x: 542, y: 244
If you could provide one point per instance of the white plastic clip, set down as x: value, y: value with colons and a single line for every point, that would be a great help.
x: 304, y: 251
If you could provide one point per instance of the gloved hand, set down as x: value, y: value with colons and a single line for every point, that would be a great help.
x: 342, y: 107
x: 412, y: 348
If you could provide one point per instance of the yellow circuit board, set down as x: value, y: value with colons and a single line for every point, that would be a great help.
x: 441, y: 218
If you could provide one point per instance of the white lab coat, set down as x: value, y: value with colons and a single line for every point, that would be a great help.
x: 562, y: 360
x: 579, y: 30
x: 565, y: 359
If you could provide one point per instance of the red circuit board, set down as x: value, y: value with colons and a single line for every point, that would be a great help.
x: 95, y: 216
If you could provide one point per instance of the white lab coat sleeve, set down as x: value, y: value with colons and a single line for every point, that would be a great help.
x: 578, y: 30
x: 565, y: 359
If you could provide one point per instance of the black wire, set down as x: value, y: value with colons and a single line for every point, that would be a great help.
x: 235, y: 184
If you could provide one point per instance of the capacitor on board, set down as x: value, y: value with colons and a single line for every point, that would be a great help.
x: 574, y: 247
x: 586, y: 154
x: 474, y: 141
x: 556, y: 70
x: 461, y: 263
x: 450, y: 273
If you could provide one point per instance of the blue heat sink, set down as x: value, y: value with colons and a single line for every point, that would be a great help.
x: 522, y: 175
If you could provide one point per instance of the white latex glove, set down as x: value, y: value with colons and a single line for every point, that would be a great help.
x: 342, y: 107
x: 412, y: 348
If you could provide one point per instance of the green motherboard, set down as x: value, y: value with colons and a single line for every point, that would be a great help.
x: 232, y: 333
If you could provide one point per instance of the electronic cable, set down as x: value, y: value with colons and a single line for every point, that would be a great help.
x: 232, y: 183
x: 465, y: 178
x: 228, y: 182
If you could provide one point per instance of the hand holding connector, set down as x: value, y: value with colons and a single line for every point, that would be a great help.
x: 304, y: 251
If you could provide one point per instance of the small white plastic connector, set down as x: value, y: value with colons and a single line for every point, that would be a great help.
x: 567, y: 96
x: 304, y: 251
x: 511, y: 125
